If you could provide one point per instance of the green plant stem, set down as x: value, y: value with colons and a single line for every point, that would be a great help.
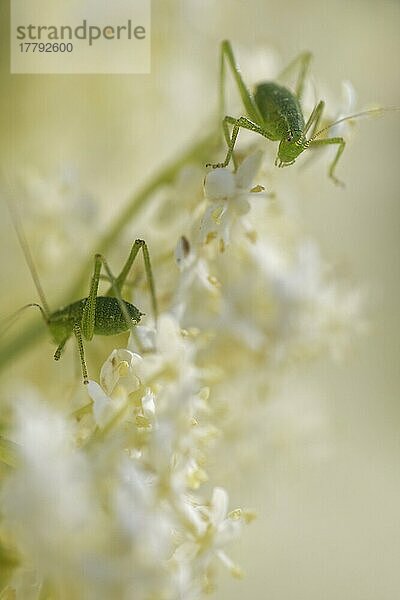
x: 197, y: 152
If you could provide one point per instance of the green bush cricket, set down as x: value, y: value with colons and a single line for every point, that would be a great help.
x: 274, y: 112
x: 93, y: 315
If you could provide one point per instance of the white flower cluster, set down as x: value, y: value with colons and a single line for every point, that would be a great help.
x: 106, y: 505
x: 117, y: 499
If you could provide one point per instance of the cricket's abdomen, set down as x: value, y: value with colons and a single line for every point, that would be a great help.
x: 280, y: 110
x: 109, y: 318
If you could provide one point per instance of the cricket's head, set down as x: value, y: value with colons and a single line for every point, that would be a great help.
x: 289, y: 149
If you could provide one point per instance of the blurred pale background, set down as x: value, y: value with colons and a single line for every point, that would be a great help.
x: 329, y: 517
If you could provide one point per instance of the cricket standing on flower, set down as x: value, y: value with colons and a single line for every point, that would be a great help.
x: 275, y: 112
x: 100, y: 315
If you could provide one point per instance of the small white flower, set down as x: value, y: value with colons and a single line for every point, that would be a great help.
x: 219, y: 185
x: 118, y: 378
x: 228, y: 195
x: 121, y: 368
x: 214, y: 529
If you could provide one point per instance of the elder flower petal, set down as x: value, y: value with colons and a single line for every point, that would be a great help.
x: 228, y: 193
x: 219, y: 184
x: 121, y: 368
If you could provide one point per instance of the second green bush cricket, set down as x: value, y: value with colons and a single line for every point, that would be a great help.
x: 94, y: 315
x: 275, y: 112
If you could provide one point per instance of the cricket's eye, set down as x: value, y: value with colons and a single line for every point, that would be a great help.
x: 289, y: 137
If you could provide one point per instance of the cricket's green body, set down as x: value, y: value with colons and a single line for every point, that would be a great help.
x: 98, y: 315
x: 109, y: 318
x: 95, y: 315
x: 280, y: 110
x: 274, y: 112
x: 283, y: 119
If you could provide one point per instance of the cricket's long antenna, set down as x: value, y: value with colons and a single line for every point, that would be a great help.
x: 364, y: 113
x: 9, y: 321
x: 28, y: 256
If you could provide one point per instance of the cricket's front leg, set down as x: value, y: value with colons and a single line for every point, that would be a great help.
x: 341, y: 144
x: 230, y: 140
x: 241, y: 123
x: 314, y: 119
